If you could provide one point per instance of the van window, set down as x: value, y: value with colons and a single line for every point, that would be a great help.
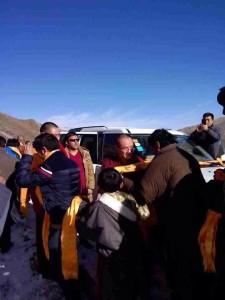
x: 140, y: 143
x: 90, y: 142
x: 102, y: 145
x: 108, y: 148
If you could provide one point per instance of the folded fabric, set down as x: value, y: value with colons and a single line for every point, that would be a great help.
x: 207, y: 239
x: 36, y: 161
x: 69, y: 257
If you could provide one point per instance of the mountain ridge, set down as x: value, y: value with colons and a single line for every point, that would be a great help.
x: 11, y: 127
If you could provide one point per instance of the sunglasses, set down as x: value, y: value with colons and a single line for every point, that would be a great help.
x: 73, y: 140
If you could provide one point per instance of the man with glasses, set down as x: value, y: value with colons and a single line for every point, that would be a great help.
x: 82, y: 158
x: 124, y: 156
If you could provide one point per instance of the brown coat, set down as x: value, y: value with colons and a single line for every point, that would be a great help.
x: 165, y: 171
x: 7, y: 163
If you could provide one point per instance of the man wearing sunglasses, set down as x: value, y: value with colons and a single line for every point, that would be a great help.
x: 82, y: 158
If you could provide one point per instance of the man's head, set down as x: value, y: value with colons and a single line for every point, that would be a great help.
x: 21, y: 139
x: 110, y: 180
x: 124, y: 147
x: 2, y: 142
x: 45, y: 143
x: 50, y: 127
x: 71, y: 141
x: 13, y: 143
x: 159, y: 139
x: 207, y: 119
x: 221, y: 98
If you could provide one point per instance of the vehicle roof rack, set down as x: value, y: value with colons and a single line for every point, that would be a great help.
x: 84, y: 127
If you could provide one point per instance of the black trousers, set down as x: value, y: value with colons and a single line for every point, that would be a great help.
x: 69, y: 287
x: 43, y: 262
x: 5, y: 239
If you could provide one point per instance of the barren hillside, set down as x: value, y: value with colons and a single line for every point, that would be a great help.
x: 11, y: 127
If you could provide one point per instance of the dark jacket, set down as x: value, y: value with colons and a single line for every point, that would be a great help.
x: 58, y: 178
x: 209, y: 139
x: 121, y: 272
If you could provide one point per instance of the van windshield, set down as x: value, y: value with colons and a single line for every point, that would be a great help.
x: 197, y: 151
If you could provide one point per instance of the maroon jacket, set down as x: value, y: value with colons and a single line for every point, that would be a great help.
x: 129, y: 178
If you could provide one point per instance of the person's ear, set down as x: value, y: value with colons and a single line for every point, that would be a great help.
x: 158, y: 146
x: 43, y: 150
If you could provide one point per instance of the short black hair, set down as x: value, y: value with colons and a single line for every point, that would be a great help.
x: 2, y: 142
x: 109, y: 180
x: 47, y: 140
x: 162, y: 136
x: 67, y: 136
x: 13, y: 142
x: 208, y: 114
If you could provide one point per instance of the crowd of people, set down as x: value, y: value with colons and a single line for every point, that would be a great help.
x: 165, y: 214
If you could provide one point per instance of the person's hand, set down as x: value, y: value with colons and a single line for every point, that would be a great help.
x: 28, y: 148
x: 202, y: 127
x: 90, y: 194
x: 2, y: 180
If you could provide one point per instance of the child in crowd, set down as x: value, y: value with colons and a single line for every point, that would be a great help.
x: 112, y: 222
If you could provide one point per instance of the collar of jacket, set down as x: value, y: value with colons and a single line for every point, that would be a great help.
x: 168, y: 148
x: 110, y: 201
x: 48, y: 154
x: 81, y: 149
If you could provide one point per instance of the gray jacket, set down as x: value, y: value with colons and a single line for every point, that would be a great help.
x: 210, y: 140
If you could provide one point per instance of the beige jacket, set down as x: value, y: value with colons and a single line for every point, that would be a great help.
x: 88, y: 167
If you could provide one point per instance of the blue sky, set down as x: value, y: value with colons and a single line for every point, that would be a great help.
x: 146, y: 64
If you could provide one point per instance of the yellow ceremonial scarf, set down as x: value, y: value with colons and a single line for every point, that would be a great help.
x: 69, y: 257
x: 206, y: 240
x: 36, y: 161
x: 16, y: 150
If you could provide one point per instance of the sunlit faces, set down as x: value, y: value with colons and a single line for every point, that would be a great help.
x: 55, y: 131
x: 73, y: 142
x: 125, y: 148
x: 208, y: 121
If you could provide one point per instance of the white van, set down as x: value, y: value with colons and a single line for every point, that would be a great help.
x: 101, y: 140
